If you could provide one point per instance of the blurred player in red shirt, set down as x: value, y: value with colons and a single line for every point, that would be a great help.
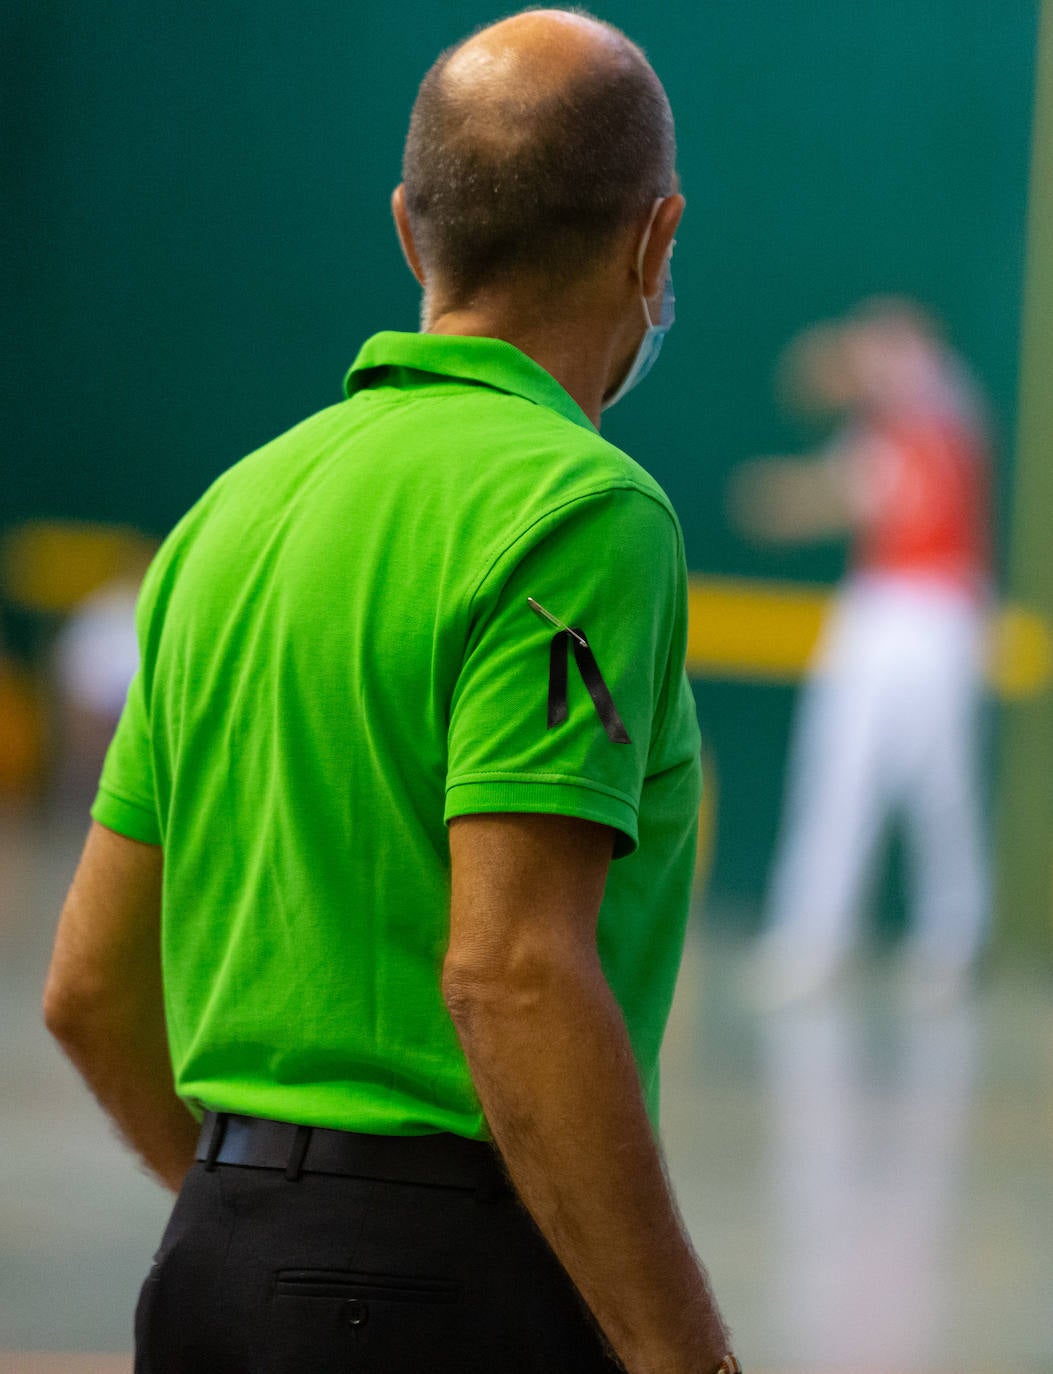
x: 888, y: 721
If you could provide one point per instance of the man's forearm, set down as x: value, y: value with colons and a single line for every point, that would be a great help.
x: 104, y: 1001
x: 129, y: 1072
x: 554, y: 1071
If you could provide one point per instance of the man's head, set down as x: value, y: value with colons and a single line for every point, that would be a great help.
x: 814, y: 376
x: 896, y: 352
x: 532, y: 147
x: 885, y: 355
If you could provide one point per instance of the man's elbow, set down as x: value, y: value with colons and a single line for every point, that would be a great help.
x: 75, y: 1014
x: 62, y: 1013
x: 477, y: 994
x: 463, y: 989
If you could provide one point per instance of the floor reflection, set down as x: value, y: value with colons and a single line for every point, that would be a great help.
x: 868, y: 1133
x: 870, y: 1185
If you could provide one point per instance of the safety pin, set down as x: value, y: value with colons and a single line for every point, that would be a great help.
x: 554, y: 620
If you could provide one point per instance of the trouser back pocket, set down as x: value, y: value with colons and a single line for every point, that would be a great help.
x: 321, y: 1319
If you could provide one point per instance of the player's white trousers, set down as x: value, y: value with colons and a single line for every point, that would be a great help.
x: 887, y: 723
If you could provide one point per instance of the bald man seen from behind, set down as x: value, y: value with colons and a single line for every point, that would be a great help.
x: 372, y: 945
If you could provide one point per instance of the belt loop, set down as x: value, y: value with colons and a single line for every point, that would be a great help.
x: 215, y: 1144
x: 301, y: 1140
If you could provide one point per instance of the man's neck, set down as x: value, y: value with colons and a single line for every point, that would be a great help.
x: 581, y: 355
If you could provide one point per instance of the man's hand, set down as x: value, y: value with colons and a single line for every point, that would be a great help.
x: 104, y: 1004
x: 793, y: 500
x: 552, y: 1063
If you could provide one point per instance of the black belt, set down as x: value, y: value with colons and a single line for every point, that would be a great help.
x: 441, y: 1160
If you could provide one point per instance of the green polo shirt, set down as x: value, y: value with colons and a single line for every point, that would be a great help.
x: 337, y: 656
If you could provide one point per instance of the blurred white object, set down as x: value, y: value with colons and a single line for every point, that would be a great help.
x: 93, y: 661
x: 96, y: 654
x: 887, y: 723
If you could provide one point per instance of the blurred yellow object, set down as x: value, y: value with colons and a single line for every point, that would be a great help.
x: 22, y: 732
x: 768, y: 632
x: 761, y: 630
x: 1021, y: 657
x: 51, y: 566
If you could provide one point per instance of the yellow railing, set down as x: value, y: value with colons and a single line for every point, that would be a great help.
x: 767, y: 632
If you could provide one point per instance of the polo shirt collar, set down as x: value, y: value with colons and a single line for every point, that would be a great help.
x: 493, y: 362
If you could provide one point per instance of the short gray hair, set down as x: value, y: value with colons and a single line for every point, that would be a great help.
x: 535, y: 186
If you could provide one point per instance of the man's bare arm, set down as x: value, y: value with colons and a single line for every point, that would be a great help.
x: 551, y: 1061
x: 103, y: 1000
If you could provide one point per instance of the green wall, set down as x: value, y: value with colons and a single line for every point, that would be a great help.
x: 197, y: 206
x: 1025, y: 815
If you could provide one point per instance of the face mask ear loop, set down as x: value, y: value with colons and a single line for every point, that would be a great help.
x: 650, y: 345
x: 640, y: 260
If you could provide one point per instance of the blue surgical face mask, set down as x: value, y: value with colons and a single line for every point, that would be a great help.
x: 654, y: 335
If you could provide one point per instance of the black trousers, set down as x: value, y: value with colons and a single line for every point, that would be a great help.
x: 259, y: 1273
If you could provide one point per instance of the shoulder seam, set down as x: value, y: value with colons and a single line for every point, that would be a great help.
x: 657, y: 498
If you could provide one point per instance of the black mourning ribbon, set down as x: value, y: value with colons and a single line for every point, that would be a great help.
x: 589, y: 669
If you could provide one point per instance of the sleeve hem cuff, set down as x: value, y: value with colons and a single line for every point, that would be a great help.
x: 563, y: 798
x: 125, y: 817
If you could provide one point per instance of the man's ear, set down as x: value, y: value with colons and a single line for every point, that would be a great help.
x: 660, y: 244
x: 405, y: 233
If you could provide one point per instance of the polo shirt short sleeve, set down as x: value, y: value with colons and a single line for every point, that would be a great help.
x: 503, y: 753
x: 127, y: 794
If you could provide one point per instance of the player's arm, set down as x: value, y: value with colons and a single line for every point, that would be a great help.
x: 795, y: 500
x: 551, y: 1061
x: 103, y: 1001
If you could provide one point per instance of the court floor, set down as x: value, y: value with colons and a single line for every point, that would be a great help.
x: 871, y: 1189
